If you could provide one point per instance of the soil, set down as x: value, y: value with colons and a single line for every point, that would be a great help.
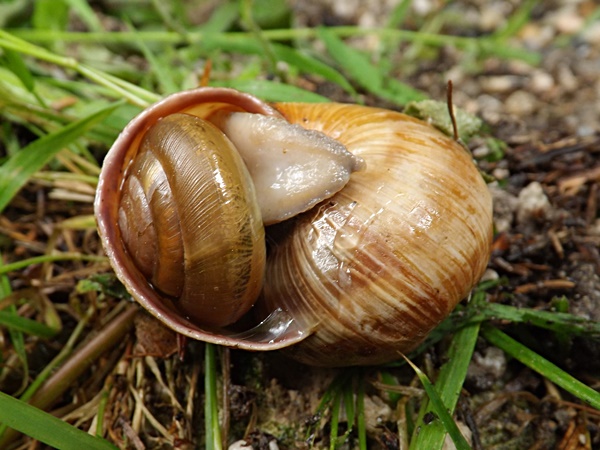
x: 546, y: 252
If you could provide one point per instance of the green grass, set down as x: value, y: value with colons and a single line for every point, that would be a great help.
x: 45, y: 427
x: 211, y: 411
x: 107, y: 89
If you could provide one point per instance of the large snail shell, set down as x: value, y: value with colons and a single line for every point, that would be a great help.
x: 360, y: 277
x: 377, y: 267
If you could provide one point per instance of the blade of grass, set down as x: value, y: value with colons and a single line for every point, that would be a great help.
x: 249, y: 23
x: 356, y: 65
x: 343, y: 393
x: 479, y: 46
x: 57, y: 360
x: 360, y: 69
x: 86, y: 14
x: 448, y: 386
x: 17, y: 108
x: 556, y: 321
x: 15, y: 63
x: 398, y: 14
x: 101, y: 410
x: 121, y: 88
x: 541, y: 365
x: 361, y: 424
x: 326, y: 401
x: 165, y: 10
x: 335, y: 417
x: 438, y: 407
x: 12, y: 320
x: 222, y: 18
x: 51, y: 383
x: 50, y: 15
x: 16, y: 337
x: 517, y: 20
x: 211, y: 412
x: 388, y: 379
x: 273, y: 91
x: 15, y: 172
x: 45, y: 427
x: 388, y: 44
x: 559, y: 322
x: 6, y: 268
x: 303, y: 62
x: 162, y: 71
x: 309, y: 65
x: 349, y: 406
x: 431, y: 25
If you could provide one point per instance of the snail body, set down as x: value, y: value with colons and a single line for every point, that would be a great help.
x: 359, y: 276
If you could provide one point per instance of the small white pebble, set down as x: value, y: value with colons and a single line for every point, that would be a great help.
x: 240, y: 445
x: 567, y: 79
x: 422, y: 7
x: 490, y: 275
x: 376, y: 412
x: 585, y: 131
x: 492, y: 361
x: 346, y: 9
x: 505, y: 206
x: 567, y: 20
x: 500, y: 173
x: 490, y: 108
x: 493, y: 16
x: 464, y: 430
x: 541, y: 81
x: 533, y: 204
x: 499, y: 84
x: 520, y: 103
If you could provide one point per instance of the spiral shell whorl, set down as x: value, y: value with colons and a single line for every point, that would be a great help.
x: 195, y: 234
x: 380, y: 264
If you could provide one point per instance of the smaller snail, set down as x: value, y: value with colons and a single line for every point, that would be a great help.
x: 367, y: 259
x: 209, y: 255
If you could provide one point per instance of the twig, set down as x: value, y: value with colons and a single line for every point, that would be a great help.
x: 451, y: 110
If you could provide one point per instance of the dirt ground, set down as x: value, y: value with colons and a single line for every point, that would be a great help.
x: 546, y: 197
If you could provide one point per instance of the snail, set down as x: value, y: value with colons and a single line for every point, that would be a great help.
x: 378, y: 224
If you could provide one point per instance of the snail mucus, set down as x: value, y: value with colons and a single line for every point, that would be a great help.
x: 386, y: 224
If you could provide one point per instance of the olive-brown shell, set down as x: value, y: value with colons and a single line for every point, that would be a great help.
x: 168, y: 216
x: 363, y: 275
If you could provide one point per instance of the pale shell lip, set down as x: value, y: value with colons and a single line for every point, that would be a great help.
x: 276, y: 331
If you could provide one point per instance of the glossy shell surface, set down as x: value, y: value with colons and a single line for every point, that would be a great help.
x: 363, y: 275
x: 386, y: 259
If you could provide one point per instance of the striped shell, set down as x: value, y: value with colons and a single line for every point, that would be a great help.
x: 363, y: 275
x: 389, y: 257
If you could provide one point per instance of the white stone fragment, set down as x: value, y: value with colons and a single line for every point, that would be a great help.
x: 240, y: 445
x: 533, y: 204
